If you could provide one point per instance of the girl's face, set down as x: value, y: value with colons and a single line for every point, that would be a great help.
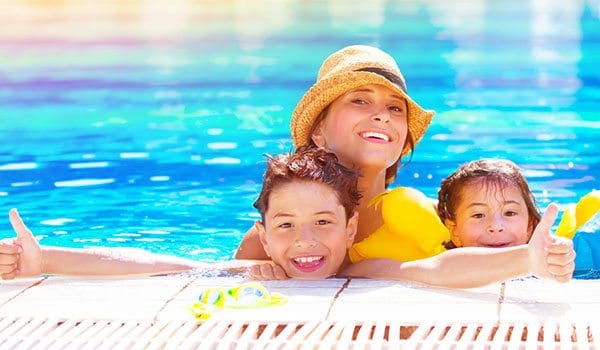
x: 490, y: 216
x: 305, y: 230
x: 366, y: 127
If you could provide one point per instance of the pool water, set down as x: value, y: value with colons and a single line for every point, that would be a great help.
x: 134, y: 124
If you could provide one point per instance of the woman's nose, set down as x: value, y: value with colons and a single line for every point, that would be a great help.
x: 382, y: 114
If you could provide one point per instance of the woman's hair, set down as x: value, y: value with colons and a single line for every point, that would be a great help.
x: 488, y: 172
x: 310, y: 165
x: 390, y: 173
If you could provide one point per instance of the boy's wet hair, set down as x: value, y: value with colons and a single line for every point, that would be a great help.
x: 488, y: 172
x: 311, y: 165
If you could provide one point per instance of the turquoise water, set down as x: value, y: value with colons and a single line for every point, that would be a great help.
x: 140, y: 125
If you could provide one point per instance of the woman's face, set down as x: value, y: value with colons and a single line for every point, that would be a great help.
x: 366, y: 127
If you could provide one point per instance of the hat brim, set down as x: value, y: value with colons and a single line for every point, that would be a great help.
x: 326, y: 90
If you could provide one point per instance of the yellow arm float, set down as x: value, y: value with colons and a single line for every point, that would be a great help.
x: 411, y: 228
x: 576, y: 215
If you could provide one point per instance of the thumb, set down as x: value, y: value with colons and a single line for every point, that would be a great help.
x: 23, y: 233
x: 546, y: 222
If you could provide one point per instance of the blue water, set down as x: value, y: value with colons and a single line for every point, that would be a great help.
x: 145, y: 126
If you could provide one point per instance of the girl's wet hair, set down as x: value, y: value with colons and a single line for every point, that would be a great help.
x: 310, y: 165
x: 390, y: 173
x: 488, y: 172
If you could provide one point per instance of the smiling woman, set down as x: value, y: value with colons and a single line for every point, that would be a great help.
x: 358, y: 109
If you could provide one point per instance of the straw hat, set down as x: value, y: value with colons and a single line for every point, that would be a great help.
x: 338, y: 75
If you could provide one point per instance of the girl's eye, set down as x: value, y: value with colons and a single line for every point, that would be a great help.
x: 510, y: 213
x: 323, y: 222
x: 477, y: 215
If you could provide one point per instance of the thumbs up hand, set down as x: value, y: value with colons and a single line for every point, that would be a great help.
x: 550, y: 256
x: 21, y: 256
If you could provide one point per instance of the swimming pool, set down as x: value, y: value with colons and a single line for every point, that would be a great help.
x: 131, y: 124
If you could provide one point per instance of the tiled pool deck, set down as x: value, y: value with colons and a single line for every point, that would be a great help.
x: 153, y: 312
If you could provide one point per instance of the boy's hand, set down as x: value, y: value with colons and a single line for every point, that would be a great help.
x: 551, y: 257
x: 266, y: 271
x: 24, y: 253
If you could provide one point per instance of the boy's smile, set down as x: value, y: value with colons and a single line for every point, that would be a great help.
x: 306, y: 231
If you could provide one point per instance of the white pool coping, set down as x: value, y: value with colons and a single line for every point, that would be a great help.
x: 167, y: 299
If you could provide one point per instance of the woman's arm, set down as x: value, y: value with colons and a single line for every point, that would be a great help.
x: 545, y: 256
x: 250, y: 247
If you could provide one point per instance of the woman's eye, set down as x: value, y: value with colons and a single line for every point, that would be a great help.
x: 359, y: 101
x: 395, y: 109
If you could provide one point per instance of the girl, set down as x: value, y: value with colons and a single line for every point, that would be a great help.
x: 487, y: 203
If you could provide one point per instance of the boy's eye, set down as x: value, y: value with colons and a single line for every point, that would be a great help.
x: 477, y: 215
x: 323, y: 222
x: 285, y: 225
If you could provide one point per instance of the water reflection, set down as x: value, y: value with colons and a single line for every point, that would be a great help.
x: 133, y: 116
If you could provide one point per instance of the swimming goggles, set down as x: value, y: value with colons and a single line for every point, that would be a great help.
x: 247, y: 295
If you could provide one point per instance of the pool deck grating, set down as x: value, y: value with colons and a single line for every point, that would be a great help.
x: 153, y: 313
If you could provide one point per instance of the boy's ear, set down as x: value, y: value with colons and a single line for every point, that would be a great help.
x: 352, y: 228
x: 451, y: 226
x: 318, y: 138
x: 262, y: 236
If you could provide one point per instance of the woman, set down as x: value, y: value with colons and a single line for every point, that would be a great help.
x: 358, y: 109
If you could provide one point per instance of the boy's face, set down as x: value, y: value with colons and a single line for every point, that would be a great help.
x: 305, y: 230
x: 490, y: 216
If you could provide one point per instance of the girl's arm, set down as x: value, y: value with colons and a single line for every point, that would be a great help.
x: 545, y: 256
x: 26, y: 258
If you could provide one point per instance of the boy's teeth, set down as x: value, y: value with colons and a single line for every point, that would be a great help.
x: 307, y: 259
x: 376, y: 135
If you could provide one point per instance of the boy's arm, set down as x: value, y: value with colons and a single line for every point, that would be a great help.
x: 30, y: 259
x: 250, y: 247
x: 545, y: 256
x: 110, y: 262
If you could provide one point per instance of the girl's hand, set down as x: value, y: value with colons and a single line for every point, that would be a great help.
x: 9, y: 259
x: 550, y: 256
x: 27, y: 254
x: 266, y: 271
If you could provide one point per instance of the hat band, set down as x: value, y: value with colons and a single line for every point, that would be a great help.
x: 391, y: 76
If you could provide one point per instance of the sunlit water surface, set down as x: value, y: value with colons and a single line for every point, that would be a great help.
x: 140, y: 125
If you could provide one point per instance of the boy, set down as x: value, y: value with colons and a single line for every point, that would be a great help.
x: 308, y: 209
